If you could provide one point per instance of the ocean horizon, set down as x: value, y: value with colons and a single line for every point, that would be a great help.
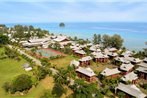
x: 133, y: 33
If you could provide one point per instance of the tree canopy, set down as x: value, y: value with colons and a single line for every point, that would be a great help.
x: 4, y: 39
x: 84, y: 90
x: 97, y: 39
x: 22, y: 82
x: 112, y: 41
x: 108, y: 41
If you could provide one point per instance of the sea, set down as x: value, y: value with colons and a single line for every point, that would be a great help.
x: 133, y: 33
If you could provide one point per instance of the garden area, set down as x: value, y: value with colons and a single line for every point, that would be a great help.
x: 10, y: 69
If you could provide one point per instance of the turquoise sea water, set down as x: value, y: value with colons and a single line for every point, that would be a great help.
x: 134, y: 34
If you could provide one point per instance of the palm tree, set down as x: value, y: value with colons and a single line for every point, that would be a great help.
x: 83, y: 89
x: 61, y: 77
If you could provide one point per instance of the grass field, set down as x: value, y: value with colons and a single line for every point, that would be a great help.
x: 98, y: 67
x: 62, y: 62
x: 10, y: 68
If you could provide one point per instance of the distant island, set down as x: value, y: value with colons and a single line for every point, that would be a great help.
x: 38, y: 64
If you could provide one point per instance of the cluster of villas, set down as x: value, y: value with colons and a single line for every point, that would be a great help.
x: 131, y: 69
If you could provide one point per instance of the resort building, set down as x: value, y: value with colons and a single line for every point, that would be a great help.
x: 95, y: 48
x: 65, y: 43
x: 95, y: 53
x: 130, y: 91
x: 112, y: 55
x: 142, y: 72
x: 74, y: 63
x: 89, y: 44
x: 60, y: 38
x: 85, y: 61
x: 102, y: 58
x: 121, y: 60
x: 112, y: 73
x: 86, y: 73
x: 113, y: 49
x: 127, y: 53
x: 134, y: 60
x: 75, y: 48
x: 35, y: 42
x: 131, y: 77
x: 145, y: 60
x: 126, y: 68
x: 80, y: 53
x: 142, y: 64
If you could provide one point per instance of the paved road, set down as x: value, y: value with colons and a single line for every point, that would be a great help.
x: 22, y: 52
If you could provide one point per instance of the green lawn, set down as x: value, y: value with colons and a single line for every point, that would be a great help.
x: 98, y: 67
x: 9, y: 69
x: 62, y: 62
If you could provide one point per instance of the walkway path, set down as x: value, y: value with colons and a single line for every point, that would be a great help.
x: 22, y: 52
x: 34, y: 59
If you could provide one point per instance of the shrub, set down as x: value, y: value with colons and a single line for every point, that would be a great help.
x: 145, y: 86
x: 22, y: 82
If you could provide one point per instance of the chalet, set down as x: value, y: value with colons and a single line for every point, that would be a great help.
x: 145, y: 60
x: 95, y: 48
x: 113, y: 49
x: 142, y: 64
x: 142, y: 72
x: 126, y: 68
x: 89, y: 44
x: 130, y: 91
x: 134, y: 60
x: 75, y: 48
x: 110, y: 50
x: 27, y: 67
x: 121, y: 60
x: 127, y: 53
x: 102, y: 58
x: 80, y: 53
x: 132, y: 77
x: 74, y: 63
x: 112, y: 55
x: 112, y: 73
x: 83, y: 46
x: 85, y: 61
x: 86, y: 73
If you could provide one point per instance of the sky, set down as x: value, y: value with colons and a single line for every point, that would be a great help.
x: 41, y: 11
